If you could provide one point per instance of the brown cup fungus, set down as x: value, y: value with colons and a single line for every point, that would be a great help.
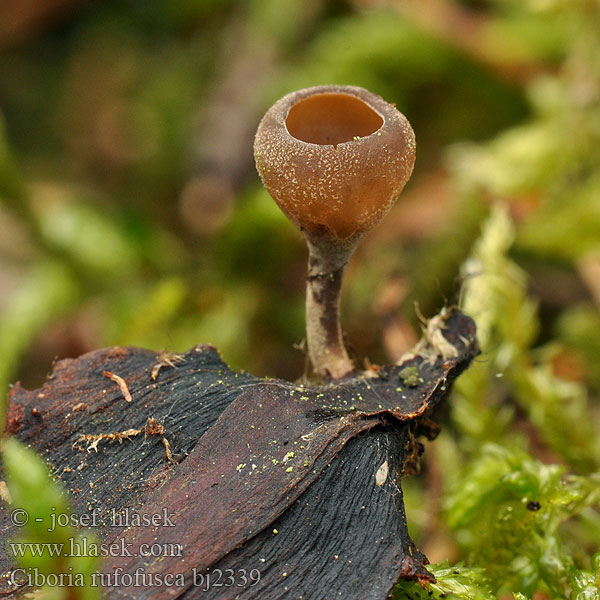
x: 335, y: 159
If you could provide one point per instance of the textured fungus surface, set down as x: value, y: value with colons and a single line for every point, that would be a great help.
x: 267, y: 475
x: 334, y: 158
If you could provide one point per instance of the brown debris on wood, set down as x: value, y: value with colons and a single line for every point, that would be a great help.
x: 152, y: 428
x: 4, y: 493
x: 256, y: 457
x: 96, y: 439
x: 165, y: 359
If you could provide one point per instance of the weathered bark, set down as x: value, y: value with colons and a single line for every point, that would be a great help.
x: 268, y: 475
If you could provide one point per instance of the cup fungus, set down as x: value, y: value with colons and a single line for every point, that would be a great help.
x: 335, y: 159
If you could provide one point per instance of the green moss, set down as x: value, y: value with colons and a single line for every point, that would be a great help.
x: 410, y: 376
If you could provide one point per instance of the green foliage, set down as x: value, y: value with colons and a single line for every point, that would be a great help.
x: 520, y: 504
x: 39, y: 503
x: 455, y: 582
x: 11, y: 184
x: 495, y: 294
x: 579, y: 330
x: 565, y: 230
x: 94, y: 241
x: 511, y: 513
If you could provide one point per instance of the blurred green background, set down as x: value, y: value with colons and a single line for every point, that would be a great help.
x: 131, y: 212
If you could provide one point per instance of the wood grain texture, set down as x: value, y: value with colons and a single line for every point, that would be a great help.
x: 267, y: 475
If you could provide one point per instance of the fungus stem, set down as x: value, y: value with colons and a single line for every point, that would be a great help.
x: 326, y: 265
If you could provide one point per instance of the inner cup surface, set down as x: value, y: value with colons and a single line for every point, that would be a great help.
x: 332, y: 119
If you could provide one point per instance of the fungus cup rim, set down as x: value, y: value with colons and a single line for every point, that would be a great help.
x: 280, y: 110
x: 328, y: 91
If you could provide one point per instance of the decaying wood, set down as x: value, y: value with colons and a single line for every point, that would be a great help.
x: 283, y: 479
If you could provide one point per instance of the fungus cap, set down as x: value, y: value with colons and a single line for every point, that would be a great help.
x: 334, y: 158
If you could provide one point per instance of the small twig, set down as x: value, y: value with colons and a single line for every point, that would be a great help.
x: 120, y: 382
x: 167, y: 446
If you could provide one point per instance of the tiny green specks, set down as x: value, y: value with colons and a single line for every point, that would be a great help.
x: 410, y: 376
x: 240, y: 466
x: 288, y: 456
x: 304, y: 398
x: 275, y: 461
x: 398, y: 389
x: 289, y: 469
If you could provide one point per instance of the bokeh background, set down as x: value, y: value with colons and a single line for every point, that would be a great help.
x: 131, y: 212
